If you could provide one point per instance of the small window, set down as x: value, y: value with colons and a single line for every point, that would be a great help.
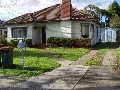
x: 85, y: 30
x: 19, y: 32
x: 5, y: 32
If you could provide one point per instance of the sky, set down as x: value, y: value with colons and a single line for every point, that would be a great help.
x: 12, y: 8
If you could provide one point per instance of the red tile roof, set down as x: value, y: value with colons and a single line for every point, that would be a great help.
x: 50, y: 13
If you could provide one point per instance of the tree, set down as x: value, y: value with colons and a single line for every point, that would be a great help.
x: 98, y: 13
x: 114, y: 9
x: 115, y: 23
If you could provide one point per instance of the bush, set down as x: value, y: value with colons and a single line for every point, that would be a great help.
x: 68, y: 42
x: 14, y: 42
x: 28, y: 42
x: 2, y: 40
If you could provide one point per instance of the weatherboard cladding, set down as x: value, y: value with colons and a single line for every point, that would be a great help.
x: 52, y: 13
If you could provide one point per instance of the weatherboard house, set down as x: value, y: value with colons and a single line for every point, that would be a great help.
x: 60, y: 20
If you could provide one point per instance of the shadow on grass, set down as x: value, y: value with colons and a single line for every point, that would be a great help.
x: 29, y: 53
x: 106, y: 45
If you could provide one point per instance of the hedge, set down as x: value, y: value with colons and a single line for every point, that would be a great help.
x: 68, y: 42
x: 14, y: 42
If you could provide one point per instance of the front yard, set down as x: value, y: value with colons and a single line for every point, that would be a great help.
x: 69, y: 53
x: 36, y: 62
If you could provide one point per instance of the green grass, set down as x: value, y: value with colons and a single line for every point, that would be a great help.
x: 118, y: 59
x: 96, y: 60
x: 69, y: 53
x: 36, y: 63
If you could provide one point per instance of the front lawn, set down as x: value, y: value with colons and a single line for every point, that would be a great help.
x: 97, y: 59
x: 69, y: 53
x: 36, y: 63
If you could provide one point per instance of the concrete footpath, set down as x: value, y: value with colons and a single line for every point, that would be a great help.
x: 62, y: 78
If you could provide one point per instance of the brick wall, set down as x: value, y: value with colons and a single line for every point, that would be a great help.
x: 66, y: 9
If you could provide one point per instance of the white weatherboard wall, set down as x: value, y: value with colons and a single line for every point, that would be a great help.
x: 53, y: 29
x: 76, y: 29
x: 37, y: 36
x: 96, y: 38
x: 66, y: 29
x: 29, y: 30
x: 58, y: 29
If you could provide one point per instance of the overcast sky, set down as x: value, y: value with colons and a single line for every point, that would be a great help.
x: 12, y: 8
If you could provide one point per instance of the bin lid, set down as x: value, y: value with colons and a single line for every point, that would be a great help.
x: 6, y: 48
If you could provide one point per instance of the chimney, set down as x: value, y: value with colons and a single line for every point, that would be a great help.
x: 66, y: 9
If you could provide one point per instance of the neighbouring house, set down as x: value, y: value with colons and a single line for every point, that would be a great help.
x: 60, y: 20
x: 108, y: 35
x: 3, y: 30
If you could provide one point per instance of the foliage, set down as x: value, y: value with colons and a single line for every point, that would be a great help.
x: 69, y: 53
x: 68, y: 42
x: 115, y: 22
x: 14, y: 42
x: 96, y: 60
x: 98, y: 13
x: 118, y: 59
x: 36, y: 62
x: 2, y: 40
x: 28, y: 42
x: 114, y: 9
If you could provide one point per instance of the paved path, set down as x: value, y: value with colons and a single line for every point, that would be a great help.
x: 109, y: 58
x: 101, y: 77
x: 62, y: 78
x: 84, y: 58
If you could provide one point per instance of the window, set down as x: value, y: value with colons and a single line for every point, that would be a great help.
x: 19, y: 32
x: 5, y: 32
x: 97, y: 30
x: 85, y: 30
x: 92, y: 28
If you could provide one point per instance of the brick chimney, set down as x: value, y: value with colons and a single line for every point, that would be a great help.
x: 66, y: 9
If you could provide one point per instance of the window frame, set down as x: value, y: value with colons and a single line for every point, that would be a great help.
x: 16, y: 30
x: 85, y: 24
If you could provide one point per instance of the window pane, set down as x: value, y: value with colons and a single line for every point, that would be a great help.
x: 85, y: 31
x: 19, y: 32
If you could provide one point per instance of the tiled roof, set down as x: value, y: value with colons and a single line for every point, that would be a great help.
x: 80, y: 15
x: 50, y: 13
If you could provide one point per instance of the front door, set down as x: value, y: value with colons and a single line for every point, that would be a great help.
x: 43, y: 35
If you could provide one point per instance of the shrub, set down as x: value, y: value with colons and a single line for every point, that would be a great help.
x: 68, y: 42
x: 2, y: 40
x: 14, y: 42
x: 28, y: 42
